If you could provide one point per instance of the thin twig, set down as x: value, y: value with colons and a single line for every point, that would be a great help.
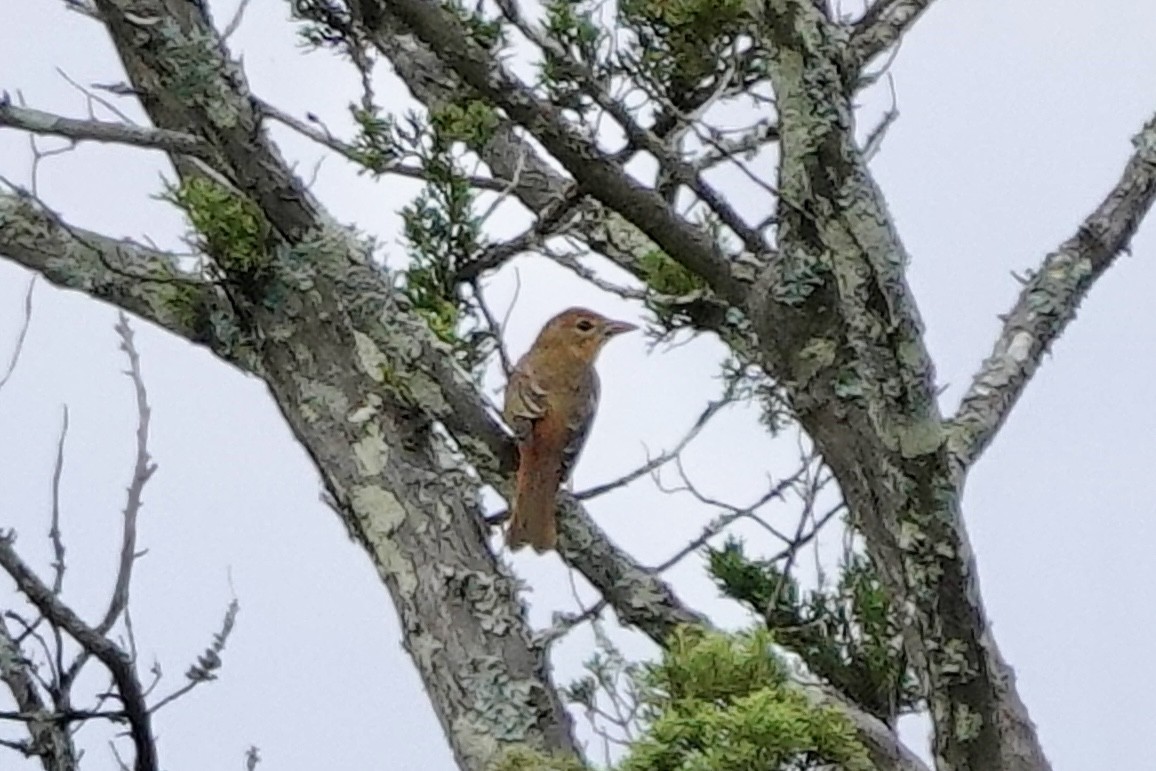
x: 506, y: 191
x: 723, y: 521
x: 142, y: 471
x: 54, y: 535
x: 553, y: 220
x: 497, y: 331
x: 103, y: 649
x: 14, y: 359
x: 704, y: 417
x: 234, y: 23
x: 875, y: 139
x: 38, y: 122
x: 96, y: 99
x: 208, y: 662
x: 350, y: 153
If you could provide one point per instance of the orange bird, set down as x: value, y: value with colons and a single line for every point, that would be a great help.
x: 550, y: 404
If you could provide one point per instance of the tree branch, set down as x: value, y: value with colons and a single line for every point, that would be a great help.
x: 139, y: 279
x: 340, y: 374
x: 1048, y: 303
x: 108, y: 653
x: 143, y: 469
x: 881, y: 27
x: 48, y: 739
x: 18, y: 347
x: 886, y: 426
x: 350, y: 153
x: 78, y: 130
x: 885, y: 750
x: 598, y: 175
x: 538, y: 184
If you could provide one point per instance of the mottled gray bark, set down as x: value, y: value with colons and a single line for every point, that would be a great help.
x: 48, y: 740
x: 363, y: 384
x: 328, y: 353
x: 838, y: 326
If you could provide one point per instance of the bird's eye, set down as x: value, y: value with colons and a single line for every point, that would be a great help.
x: 584, y: 325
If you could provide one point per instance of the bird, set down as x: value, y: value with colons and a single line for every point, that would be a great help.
x: 550, y: 401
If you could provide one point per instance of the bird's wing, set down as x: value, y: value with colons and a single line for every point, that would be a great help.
x: 579, y: 423
x: 525, y: 401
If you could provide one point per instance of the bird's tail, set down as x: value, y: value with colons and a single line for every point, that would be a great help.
x: 533, y: 520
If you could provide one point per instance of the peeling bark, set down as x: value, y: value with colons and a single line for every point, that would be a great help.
x: 364, y: 385
x: 840, y: 331
x: 405, y: 497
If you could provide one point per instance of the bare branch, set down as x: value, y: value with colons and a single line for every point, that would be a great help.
x: 39, y: 122
x: 31, y: 629
x: 205, y: 669
x: 84, y: 8
x: 48, y: 739
x: 724, y: 520
x: 875, y: 139
x: 883, y: 25
x: 235, y: 22
x: 550, y: 222
x: 749, y: 142
x: 700, y: 422
x: 137, y: 278
x: 496, y: 329
x: 106, y: 651
x: 1048, y: 303
x: 93, y: 99
x: 572, y: 264
x: 143, y: 470
x: 563, y: 623
x: 54, y: 535
x: 69, y: 716
x: 14, y: 359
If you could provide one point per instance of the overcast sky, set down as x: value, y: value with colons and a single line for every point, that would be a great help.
x: 1015, y: 121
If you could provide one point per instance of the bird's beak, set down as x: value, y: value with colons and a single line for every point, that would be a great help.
x: 614, y: 328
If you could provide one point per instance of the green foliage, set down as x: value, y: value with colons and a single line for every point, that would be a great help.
x: 571, y: 25
x: 714, y: 702
x: 325, y: 25
x: 720, y: 702
x: 472, y: 122
x: 486, y: 32
x: 846, y: 633
x: 522, y: 758
x: 682, y: 44
x: 376, y: 146
x: 188, y: 304
x: 441, y: 231
x: 609, y: 691
x: 229, y: 228
x: 666, y: 276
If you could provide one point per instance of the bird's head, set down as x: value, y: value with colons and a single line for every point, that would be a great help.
x: 581, y: 332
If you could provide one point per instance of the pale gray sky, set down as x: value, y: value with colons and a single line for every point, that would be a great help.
x: 1015, y: 120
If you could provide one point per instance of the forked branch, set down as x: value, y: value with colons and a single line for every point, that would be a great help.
x: 1049, y: 301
